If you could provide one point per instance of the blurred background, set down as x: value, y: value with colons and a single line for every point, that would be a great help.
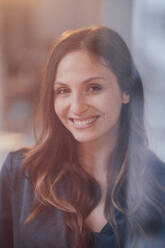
x: 29, y: 27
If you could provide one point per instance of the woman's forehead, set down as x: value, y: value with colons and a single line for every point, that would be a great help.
x: 79, y: 65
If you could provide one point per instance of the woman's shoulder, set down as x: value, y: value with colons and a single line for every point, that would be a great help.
x: 156, y: 164
x: 157, y: 180
x: 13, y: 162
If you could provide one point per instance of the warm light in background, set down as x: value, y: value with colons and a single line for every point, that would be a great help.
x: 29, y: 27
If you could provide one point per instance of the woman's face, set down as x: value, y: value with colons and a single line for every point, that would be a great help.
x: 88, y: 99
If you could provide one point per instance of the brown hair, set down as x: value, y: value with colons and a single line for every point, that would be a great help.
x: 57, y: 177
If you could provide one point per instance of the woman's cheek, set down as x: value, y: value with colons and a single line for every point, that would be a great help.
x: 60, y: 107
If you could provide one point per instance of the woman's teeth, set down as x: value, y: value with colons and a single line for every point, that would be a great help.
x: 84, y: 123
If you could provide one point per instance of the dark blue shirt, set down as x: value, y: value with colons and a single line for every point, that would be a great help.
x: 48, y: 229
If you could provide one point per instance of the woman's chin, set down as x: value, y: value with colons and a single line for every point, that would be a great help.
x: 84, y: 138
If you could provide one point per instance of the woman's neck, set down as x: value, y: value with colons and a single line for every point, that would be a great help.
x: 95, y: 156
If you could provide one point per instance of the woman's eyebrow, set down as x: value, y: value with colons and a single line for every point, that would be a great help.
x: 83, y: 81
x: 60, y: 83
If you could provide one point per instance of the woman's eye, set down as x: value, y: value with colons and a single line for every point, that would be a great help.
x: 62, y: 91
x: 95, y: 88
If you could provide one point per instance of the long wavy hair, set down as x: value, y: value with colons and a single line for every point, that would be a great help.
x: 53, y: 166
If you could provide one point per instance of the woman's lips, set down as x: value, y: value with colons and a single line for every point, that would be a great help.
x: 83, y: 123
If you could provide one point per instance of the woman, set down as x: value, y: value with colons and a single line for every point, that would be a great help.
x: 90, y: 180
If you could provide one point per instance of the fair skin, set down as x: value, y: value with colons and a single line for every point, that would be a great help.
x: 88, y: 102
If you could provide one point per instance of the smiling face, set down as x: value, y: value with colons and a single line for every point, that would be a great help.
x: 88, y: 99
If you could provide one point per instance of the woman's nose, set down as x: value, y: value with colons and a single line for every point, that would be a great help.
x: 78, y: 104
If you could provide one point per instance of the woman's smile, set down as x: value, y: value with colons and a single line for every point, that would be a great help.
x: 84, y: 123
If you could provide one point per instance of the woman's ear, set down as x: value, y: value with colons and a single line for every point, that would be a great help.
x: 125, y: 97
